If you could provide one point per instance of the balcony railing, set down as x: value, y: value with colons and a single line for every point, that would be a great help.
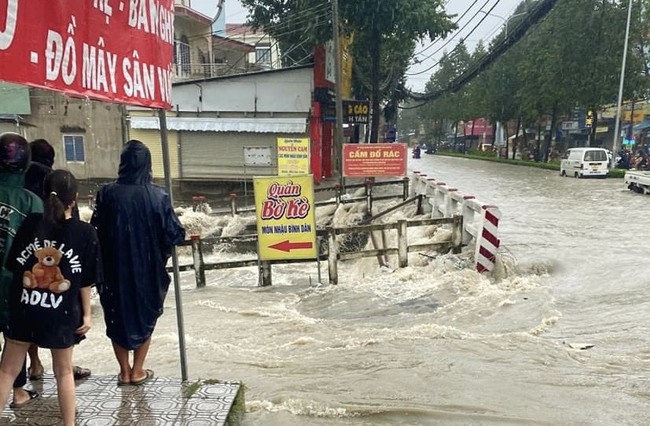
x: 190, y: 71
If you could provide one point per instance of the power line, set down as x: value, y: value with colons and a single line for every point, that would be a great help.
x: 458, y: 45
x: 457, y: 32
x: 534, y: 16
x: 294, y: 20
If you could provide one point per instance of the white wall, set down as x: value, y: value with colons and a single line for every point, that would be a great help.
x: 287, y: 91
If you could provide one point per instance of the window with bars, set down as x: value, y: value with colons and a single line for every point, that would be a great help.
x: 182, y: 57
x: 263, y: 55
x: 73, y: 146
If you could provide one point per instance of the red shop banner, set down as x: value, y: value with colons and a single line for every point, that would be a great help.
x: 374, y: 160
x: 111, y: 50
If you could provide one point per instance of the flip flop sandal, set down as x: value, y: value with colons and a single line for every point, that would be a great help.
x: 144, y: 379
x: 80, y: 372
x: 32, y: 396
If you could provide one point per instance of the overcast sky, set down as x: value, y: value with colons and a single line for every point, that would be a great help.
x: 428, y: 53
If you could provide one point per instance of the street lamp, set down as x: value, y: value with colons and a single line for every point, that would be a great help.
x: 620, y: 87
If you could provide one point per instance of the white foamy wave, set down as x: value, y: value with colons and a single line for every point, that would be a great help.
x: 545, y: 324
x: 324, y: 215
x: 445, y: 286
x: 348, y: 214
x: 281, y: 312
x: 374, y: 336
x: 299, y: 407
x: 237, y: 224
x: 200, y: 223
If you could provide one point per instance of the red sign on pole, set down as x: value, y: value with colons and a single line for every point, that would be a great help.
x: 111, y: 50
x: 374, y: 160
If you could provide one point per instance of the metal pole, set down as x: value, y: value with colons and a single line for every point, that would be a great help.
x: 177, y: 278
x: 338, y: 102
x: 620, y: 87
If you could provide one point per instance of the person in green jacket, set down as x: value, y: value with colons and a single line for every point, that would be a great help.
x: 16, y: 203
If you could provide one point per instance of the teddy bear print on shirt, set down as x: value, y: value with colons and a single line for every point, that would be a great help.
x: 46, y: 274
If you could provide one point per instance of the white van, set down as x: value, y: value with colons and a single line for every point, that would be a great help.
x: 585, y: 162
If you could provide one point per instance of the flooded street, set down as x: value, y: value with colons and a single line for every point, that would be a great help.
x: 559, y: 336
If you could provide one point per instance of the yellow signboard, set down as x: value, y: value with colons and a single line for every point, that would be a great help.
x: 639, y: 116
x: 293, y: 156
x: 346, y: 65
x: 286, y: 222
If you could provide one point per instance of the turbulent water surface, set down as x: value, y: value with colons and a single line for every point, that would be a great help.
x: 558, y: 335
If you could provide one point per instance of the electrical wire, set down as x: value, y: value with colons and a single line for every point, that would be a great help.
x: 457, y: 46
x: 534, y: 16
x: 455, y: 23
x: 301, y: 17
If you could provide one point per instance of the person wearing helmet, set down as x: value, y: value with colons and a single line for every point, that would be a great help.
x: 16, y: 203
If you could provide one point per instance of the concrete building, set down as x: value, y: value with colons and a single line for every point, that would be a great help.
x: 192, y: 43
x: 86, y: 135
x: 226, y: 128
x: 267, y: 52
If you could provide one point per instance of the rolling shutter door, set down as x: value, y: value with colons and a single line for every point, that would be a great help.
x: 151, y: 138
x: 221, y: 154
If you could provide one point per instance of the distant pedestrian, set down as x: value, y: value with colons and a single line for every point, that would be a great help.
x: 55, y: 261
x: 41, y: 166
x: 16, y: 203
x: 137, y: 230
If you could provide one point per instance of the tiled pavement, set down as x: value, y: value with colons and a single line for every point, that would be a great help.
x: 161, y: 401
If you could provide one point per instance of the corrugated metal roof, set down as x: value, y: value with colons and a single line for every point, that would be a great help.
x: 213, y: 124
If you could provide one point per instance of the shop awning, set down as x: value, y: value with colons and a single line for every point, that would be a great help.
x: 642, y: 125
x: 210, y: 124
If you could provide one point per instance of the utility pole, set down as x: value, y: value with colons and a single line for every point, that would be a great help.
x: 620, y: 88
x: 630, y: 129
x: 338, y: 102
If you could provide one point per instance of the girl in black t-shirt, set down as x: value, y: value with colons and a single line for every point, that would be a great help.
x: 55, y: 260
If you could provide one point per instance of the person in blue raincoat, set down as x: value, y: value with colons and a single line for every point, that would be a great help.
x: 137, y: 230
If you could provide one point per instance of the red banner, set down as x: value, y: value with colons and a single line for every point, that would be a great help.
x: 111, y: 50
x: 374, y: 160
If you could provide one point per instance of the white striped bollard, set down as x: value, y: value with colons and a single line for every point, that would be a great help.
x: 488, y: 242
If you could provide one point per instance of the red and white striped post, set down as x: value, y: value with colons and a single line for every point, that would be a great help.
x: 488, y: 242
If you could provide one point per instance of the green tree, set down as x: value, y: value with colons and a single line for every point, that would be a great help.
x: 571, y: 58
x: 385, y: 34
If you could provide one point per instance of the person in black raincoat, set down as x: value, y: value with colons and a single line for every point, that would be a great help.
x: 40, y: 167
x: 137, y: 230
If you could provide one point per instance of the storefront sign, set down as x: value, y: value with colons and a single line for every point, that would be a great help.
x: 118, y: 51
x: 293, y: 156
x: 286, y: 225
x: 356, y: 112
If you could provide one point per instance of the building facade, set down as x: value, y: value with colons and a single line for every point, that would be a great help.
x: 266, y: 55
x: 226, y: 128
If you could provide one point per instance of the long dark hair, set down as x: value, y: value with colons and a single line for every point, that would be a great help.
x: 60, y: 191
